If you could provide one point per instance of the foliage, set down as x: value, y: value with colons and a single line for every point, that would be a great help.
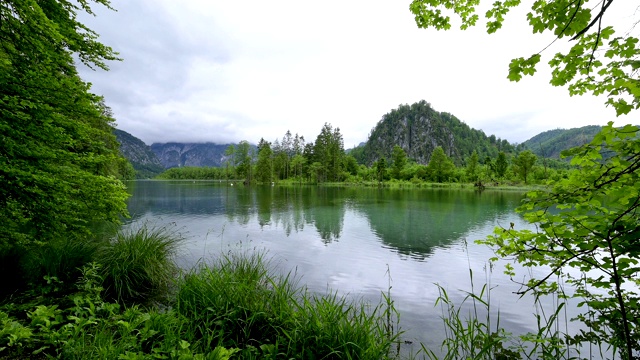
x: 399, y: 158
x: 501, y: 164
x: 473, y: 330
x: 380, y: 169
x: 264, y: 165
x: 472, y: 168
x: 328, y: 151
x: 234, y: 309
x: 418, y: 129
x: 550, y: 144
x: 238, y: 303
x: 598, y: 62
x: 589, y: 222
x: 85, y: 326
x: 59, y: 160
x: 193, y: 173
x: 440, y: 168
x: 138, y: 265
x: 243, y: 160
x: 523, y: 164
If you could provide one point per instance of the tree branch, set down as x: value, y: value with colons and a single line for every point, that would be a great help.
x: 598, y: 17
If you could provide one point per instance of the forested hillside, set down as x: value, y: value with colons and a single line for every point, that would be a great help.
x: 550, y: 143
x: 144, y: 161
x: 418, y: 129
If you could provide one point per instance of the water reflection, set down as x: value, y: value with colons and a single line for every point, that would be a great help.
x: 409, y: 222
x: 350, y: 240
x: 413, y: 222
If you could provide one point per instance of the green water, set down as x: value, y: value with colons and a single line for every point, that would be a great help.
x: 356, y: 241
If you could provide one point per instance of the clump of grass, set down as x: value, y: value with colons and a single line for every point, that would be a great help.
x: 238, y: 303
x: 138, y: 265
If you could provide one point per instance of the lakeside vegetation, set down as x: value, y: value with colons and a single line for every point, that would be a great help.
x: 128, y: 301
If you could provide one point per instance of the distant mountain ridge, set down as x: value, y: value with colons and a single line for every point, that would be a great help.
x: 174, y: 154
x: 551, y: 143
x: 143, y: 160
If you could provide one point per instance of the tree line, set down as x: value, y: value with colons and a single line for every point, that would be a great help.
x: 292, y: 159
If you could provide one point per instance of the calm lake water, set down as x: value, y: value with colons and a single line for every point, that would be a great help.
x: 356, y: 241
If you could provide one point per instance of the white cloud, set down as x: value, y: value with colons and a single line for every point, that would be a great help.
x: 225, y: 71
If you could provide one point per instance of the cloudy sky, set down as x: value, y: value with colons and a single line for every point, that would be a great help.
x: 223, y: 71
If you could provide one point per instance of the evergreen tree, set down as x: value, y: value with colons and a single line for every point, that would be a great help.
x: 501, y: 165
x: 440, y: 167
x: 399, y: 157
x: 230, y: 161
x: 264, y: 165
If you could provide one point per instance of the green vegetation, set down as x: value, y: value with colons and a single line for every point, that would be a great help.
x: 473, y: 330
x: 291, y: 160
x: 587, y: 224
x: 138, y: 265
x: 59, y: 161
x: 144, y: 162
x: 550, y: 144
x: 120, y: 297
x: 234, y: 306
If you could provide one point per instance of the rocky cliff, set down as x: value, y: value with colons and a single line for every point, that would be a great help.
x: 419, y: 129
x: 139, y: 154
x: 190, y: 154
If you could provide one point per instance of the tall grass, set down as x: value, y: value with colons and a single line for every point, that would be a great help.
x: 238, y: 303
x: 138, y: 264
x: 473, y: 331
x: 234, y: 307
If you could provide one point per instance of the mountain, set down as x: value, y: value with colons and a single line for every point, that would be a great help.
x: 139, y: 154
x: 190, y: 154
x: 418, y: 129
x: 550, y: 143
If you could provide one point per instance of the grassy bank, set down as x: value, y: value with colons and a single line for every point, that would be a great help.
x: 130, y: 303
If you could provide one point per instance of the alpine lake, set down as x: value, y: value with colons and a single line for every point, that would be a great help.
x: 359, y: 242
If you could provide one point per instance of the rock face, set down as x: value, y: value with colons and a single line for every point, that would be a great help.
x: 139, y: 154
x: 190, y: 154
x: 418, y: 129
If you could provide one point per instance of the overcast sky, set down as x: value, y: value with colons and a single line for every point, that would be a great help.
x: 223, y: 71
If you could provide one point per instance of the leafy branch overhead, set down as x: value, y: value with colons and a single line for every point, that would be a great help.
x: 600, y: 61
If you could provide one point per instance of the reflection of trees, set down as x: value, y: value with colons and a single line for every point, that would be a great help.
x: 292, y: 207
x: 410, y: 222
x: 413, y: 222
x: 326, y: 211
x: 170, y: 197
x: 239, y: 202
x: 288, y: 208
